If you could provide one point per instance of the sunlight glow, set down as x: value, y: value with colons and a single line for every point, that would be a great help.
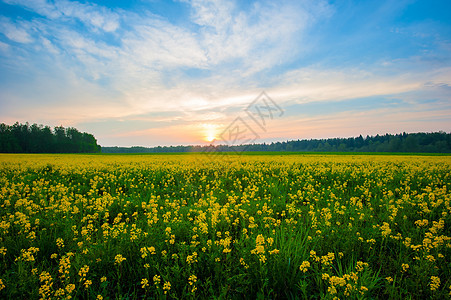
x: 210, y: 132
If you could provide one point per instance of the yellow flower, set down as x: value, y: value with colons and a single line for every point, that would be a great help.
x: 435, y: 283
x: 70, y: 288
x: 59, y: 293
x: 191, y: 258
x: 147, y: 250
x: 192, y: 279
x: 2, y: 285
x: 360, y: 266
x: 327, y: 260
x: 363, y: 289
x: 404, y: 267
x: 60, y: 242
x: 83, y: 271
x: 304, y: 266
x: 332, y: 290
x: 335, y: 280
x: 385, y: 229
x: 144, y: 283
x: 166, y: 286
x: 275, y: 251
x: 87, y: 283
x: 45, y: 276
x: 118, y: 259
x: 103, y: 279
x: 431, y: 258
x: 143, y: 252
x: 313, y: 256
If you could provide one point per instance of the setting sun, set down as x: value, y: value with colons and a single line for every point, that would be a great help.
x: 210, y: 132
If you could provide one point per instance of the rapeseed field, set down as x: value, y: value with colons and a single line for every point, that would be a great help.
x: 200, y: 226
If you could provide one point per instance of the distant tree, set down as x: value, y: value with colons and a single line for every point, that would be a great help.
x: 395, y: 144
x: 405, y: 142
x: 23, y: 138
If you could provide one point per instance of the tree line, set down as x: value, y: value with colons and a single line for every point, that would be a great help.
x: 434, y: 142
x: 23, y: 138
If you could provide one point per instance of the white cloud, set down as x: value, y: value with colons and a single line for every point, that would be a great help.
x: 15, y: 32
x: 98, y: 17
x: 4, y: 47
x: 51, y: 48
x: 212, y: 13
x: 259, y: 38
x: 90, y: 14
x: 42, y: 7
x: 158, y: 44
x: 318, y: 84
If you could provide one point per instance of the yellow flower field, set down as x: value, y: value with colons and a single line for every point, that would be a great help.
x: 198, y: 226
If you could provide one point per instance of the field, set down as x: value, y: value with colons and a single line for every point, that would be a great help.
x: 231, y: 227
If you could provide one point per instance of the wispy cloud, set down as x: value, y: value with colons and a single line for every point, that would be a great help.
x: 96, y: 17
x: 15, y: 32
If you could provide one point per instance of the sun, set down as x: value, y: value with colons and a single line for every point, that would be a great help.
x: 210, y: 132
x: 210, y: 138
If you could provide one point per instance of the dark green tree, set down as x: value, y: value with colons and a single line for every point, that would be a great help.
x: 23, y: 138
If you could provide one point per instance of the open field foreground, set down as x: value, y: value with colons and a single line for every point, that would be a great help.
x: 202, y: 226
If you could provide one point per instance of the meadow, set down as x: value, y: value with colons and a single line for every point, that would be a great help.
x: 198, y: 226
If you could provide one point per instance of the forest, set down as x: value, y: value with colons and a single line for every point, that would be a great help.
x: 25, y: 138
x: 435, y: 142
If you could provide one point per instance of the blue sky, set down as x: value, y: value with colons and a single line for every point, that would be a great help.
x: 150, y: 72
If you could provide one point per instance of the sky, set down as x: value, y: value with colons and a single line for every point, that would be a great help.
x: 195, y: 72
